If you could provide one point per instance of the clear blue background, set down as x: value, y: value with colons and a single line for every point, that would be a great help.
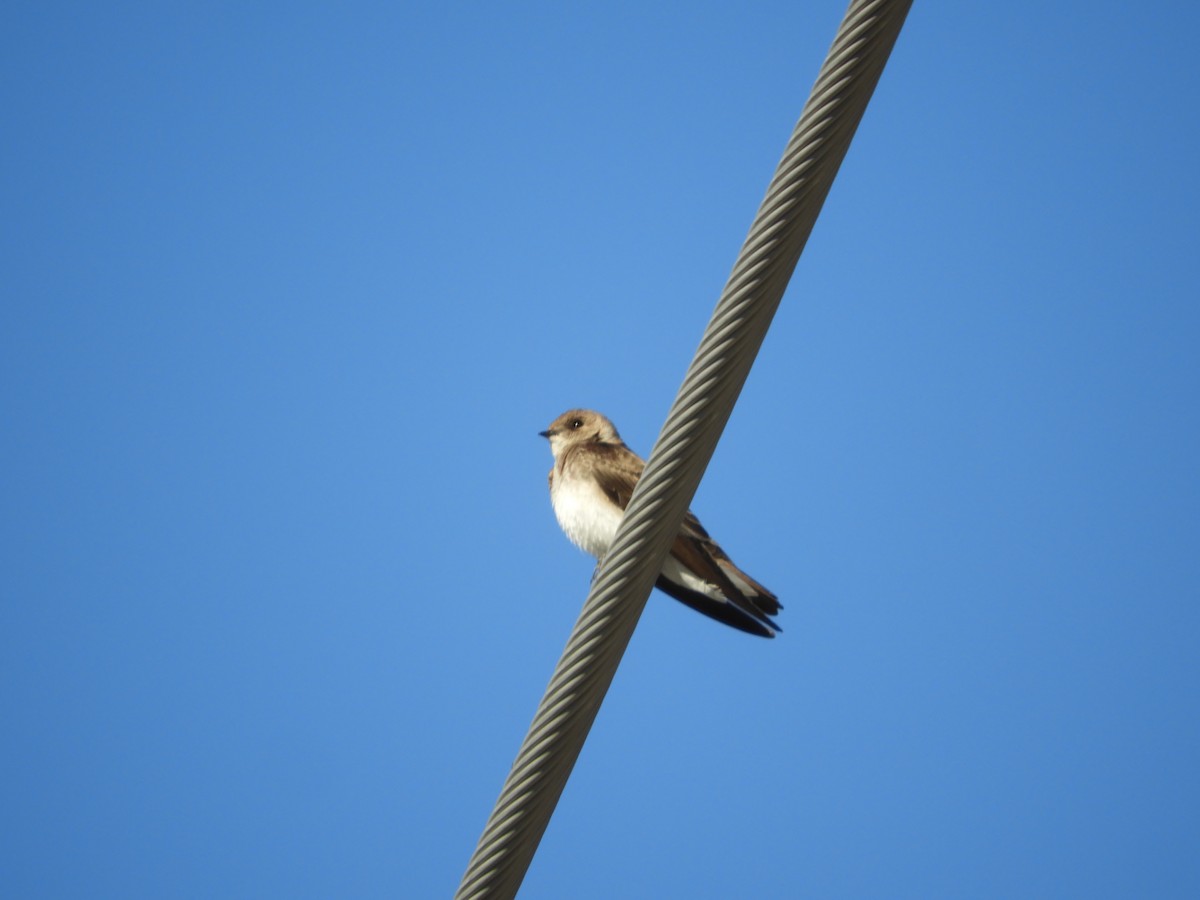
x: 289, y: 291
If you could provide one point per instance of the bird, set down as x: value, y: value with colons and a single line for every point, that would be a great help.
x: 592, y: 479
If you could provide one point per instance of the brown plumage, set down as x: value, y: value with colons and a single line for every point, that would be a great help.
x: 592, y: 480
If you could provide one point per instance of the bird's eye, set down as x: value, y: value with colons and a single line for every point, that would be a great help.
x: 577, y: 423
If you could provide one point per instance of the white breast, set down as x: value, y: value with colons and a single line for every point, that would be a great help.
x: 585, y: 513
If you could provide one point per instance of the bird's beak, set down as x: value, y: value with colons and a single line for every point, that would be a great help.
x: 546, y: 434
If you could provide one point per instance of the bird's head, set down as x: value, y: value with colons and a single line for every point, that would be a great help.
x: 579, y: 426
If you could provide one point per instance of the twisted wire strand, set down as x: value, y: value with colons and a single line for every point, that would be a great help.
x: 684, y: 447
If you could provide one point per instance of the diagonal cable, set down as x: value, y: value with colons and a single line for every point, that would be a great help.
x: 684, y: 447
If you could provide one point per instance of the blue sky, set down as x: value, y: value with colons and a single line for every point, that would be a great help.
x: 291, y: 289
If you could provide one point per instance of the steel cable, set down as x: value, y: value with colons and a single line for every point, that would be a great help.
x: 684, y: 447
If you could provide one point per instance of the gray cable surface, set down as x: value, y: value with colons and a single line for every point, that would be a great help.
x: 676, y: 464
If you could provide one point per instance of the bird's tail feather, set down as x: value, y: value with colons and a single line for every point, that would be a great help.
x: 725, y: 611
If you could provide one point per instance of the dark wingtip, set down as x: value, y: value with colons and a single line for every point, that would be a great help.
x: 759, y: 624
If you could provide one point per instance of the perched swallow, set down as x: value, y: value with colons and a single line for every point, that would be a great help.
x: 590, y: 485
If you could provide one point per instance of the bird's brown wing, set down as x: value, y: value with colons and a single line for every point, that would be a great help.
x: 693, y: 528
x: 617, y: 471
